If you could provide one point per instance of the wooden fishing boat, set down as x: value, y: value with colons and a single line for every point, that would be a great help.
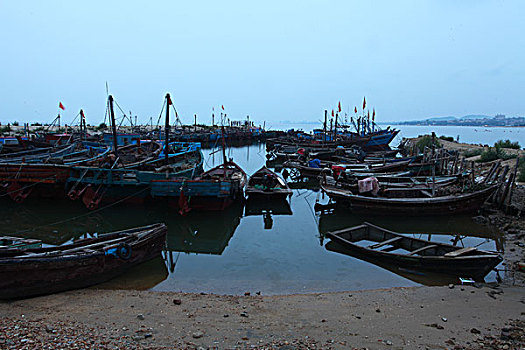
x: 266, y: 183
x: 7, y: 242
x: 424, y: 205
x: 31, y: 272
x: 19, y: 180
x: 215, y: 189
x: 401, y: 250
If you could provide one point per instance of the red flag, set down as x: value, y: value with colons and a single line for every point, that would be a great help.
x: 355, y: 109
x: 332, y: 112
x: 222, y: 106
x: 374, y: 115
x: 364, y: 103
x: 339, y: 106
x: 61, y: 106
x: 368, y: 114
x: 169, y: 101
x: 82, y: 113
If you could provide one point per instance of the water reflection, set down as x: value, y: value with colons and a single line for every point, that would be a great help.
x: 267, y: 208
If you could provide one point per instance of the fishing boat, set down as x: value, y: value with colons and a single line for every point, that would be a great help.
x: 86, y: 262
x: 7, y: 242
x: 401, y: 250
x: 423, y: 205
x: 266, y: 183
x: 215, y: 189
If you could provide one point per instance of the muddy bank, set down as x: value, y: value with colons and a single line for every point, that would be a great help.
x: 400, y: 318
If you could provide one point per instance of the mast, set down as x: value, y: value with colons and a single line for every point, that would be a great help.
x: 324, y: 125
x: 167, y: 128
x: 113, y: 125
x: 223, y: 145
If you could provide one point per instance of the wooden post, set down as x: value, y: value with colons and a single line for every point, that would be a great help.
x: 515, y: 173
x: 434, y: 179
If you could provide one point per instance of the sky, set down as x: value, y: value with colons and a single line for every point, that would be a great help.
x: 271, y: 60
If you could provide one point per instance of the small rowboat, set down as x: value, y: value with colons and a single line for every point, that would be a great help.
x: 264, y: 183
x: 31, y: 272
x: 376, y: 244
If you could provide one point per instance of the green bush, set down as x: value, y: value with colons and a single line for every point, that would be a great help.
x: 507, y: 144
x: 5, y: 129
x: 494, y: 153
x: 447, y: 138
x: 102, y: 126
x: 15, y: 123
x: 427, y: 141
x: 473, y: 152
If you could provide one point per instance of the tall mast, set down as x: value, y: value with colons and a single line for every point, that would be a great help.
x: 113, y: 125
x: 167, y: 128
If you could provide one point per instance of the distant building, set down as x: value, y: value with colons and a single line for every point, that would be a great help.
x: 499, y: 116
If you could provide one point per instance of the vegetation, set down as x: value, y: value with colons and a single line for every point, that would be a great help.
x: 102, y: 126
x: 473, y: 152
x: 494, y: 153
x: 507, y: 144
x: 427, y: 141
x: 36, y: 124
x: 15, y: 123
x: 447, y: 138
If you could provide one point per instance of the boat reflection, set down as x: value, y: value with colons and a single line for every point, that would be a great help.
x: 194, y: 233
x: 267, y: 207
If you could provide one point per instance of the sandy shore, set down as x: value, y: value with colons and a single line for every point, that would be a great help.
x: 400, y: 318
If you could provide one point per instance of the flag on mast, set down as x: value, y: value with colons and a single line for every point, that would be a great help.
x: 61, y: 106
x: 355, y: 109
x: 222, y: 106
x: 332, y: 112
x: 374, y: 115
x: 364, y: 103
x: 339, y: 106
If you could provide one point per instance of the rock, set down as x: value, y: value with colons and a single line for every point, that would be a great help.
x: 140, y: 317
x: 177, y: 301
x: 444, y: 319
x: 475, y: 331
x: 244, y: 314
x: 387, y: 342
x: 198, y: 334
x: 378, y: 310
x: 451, y: 286
x: 137, y: 338
x: 323, y: 320
x: 246, y: 294
x: 148, y: 335
x: 226, y: 315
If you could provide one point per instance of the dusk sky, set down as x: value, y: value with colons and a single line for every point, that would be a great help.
x: 272, y: 60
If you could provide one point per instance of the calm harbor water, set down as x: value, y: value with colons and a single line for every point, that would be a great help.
x: 240, y: 249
